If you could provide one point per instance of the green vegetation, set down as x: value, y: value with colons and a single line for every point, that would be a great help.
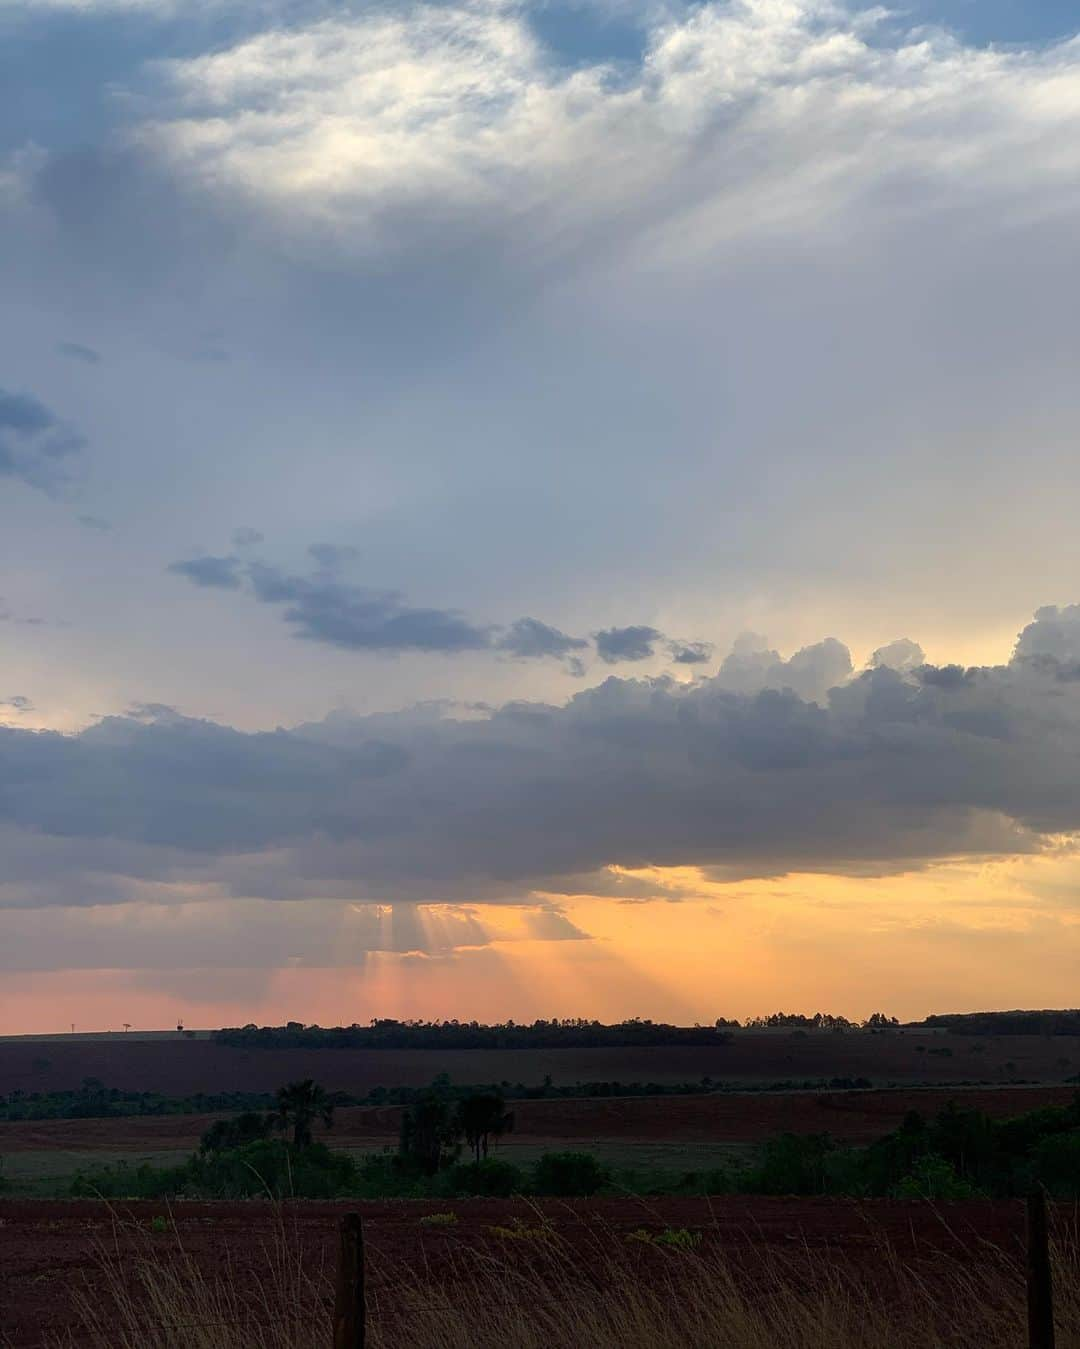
x: 93, y: 1100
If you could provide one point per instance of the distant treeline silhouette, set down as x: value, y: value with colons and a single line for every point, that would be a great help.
x: 1047, y: 1022
x: 384, y: 1033
x: 569, y: 1033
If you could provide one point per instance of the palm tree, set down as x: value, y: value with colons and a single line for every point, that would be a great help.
x: 299, y: 1105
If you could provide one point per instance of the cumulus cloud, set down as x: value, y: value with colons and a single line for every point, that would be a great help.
x: 1053, y: 634
x: 903, y: 654
x: 633, y: 643
x: 35, y: 446
x: 752, y: 666
x: 891, y: 770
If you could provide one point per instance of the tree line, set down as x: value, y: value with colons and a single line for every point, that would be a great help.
x: 565, y: 1033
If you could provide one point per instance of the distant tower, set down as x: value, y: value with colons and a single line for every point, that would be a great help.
x: 180, y: 1027
x: 127, y: 1025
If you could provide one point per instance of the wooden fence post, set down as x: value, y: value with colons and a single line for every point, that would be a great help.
x: 349, y: 1309
x: 1040, y: 1289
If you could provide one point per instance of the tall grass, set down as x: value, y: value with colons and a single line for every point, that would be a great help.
x: 530, y: 1288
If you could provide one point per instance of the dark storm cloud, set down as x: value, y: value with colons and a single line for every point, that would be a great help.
x: 619, y: 644
x: 531, y: 640
x: 690, y: 653
x: 77, y: 352
x: 35, y: 446
x: 890, y: 771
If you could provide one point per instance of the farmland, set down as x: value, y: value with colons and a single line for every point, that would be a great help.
x: 55, y: 1251
x: 182, y: 1066
x: 57, y: 1247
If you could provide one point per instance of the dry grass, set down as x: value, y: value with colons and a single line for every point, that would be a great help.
x: 539, y: 1292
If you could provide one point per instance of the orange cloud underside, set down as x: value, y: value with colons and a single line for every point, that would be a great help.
x: 954, y: 936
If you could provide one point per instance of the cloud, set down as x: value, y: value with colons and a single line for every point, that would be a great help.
x: 903, y: 654
x: 752, y: 667
x: 217, y: 573
x: 35, y: 446
x: 690, y: 653
x: 530, y: 639
x: 1053, y: 633
x: 890, y: 771
x: 77, y: 352
x: 17, y: 703
x: 633, y: 643
x: 324, y: 607
x: 246, y: 538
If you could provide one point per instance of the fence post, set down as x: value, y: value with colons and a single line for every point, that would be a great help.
x: 1039, y: 1286
x: 349, y: 1318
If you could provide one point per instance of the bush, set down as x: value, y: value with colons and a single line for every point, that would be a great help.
x: 275, y: 1168
x: 802, y: 1164
x: 1057, y: 1164
x: 568, y: 1174
x: 130, y: 1182
x: 236, y: 1133
x: 932, y: 1177
x: 492, y: 1177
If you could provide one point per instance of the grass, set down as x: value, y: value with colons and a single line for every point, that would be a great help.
x: 667, y: 1292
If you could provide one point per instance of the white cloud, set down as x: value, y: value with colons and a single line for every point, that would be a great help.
x: 742, y: 116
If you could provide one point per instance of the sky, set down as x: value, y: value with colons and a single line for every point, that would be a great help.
x: 537, y: 509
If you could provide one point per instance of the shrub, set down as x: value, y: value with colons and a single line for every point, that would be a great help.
x: 803, y: 1164
x: 568, y: 1174
x: 274, y: 1168
x: 493, y: 1177
x: 1057, y: 1164
x: 130, y: 1182
x: 932, y: 1177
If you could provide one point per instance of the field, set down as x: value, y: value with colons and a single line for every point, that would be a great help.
x: 64, y: 1256
x: 54, y: 1251
x: 181, y: 1066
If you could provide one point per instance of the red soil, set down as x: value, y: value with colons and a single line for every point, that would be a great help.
x: 183, y: 1067
x: 49, y: 1247
x: 856, y: 1117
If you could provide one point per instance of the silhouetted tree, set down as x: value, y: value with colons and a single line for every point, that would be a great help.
x: 299, y: 1105
x: 482, y: 1116
x: 430, y: 1132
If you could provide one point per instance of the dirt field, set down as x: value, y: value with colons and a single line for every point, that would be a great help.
x: 855, y: 1117
x: 49, y: 1248
x: 183, y: 1067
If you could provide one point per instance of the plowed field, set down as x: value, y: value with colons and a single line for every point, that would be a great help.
x: 857, y: 1116
x: 51, y: 1250
x: 183, y: 1067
